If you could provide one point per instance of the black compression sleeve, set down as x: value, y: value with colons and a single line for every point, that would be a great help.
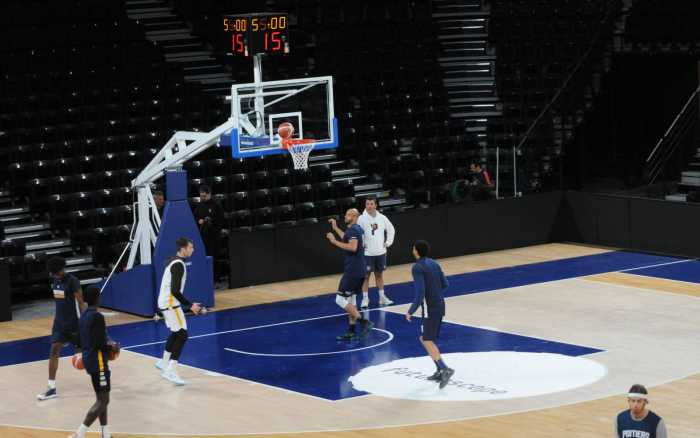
x: 177, y: 271
x: 98, y: 332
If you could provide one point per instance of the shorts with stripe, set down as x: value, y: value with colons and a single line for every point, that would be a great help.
x: 101, y: 381
x: 175, y: 319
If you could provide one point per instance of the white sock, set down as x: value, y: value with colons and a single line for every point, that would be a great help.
x: 52, y: 384
x: 381, y: 293
x: 172, y: 365
x: 81, y: 431
x: 365, y: 295
x: 105, y: 431
x: 166, y: 356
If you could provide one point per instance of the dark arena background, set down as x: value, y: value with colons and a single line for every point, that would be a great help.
x: 548, y: 151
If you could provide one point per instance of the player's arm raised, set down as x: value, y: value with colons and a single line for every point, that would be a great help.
x: 336, y: 228
x: 351, y: 246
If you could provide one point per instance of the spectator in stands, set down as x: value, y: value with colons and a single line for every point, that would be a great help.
x: 480, y: 176
x: 482, y: 182
x: 210, y: 219
x: 160, y: 202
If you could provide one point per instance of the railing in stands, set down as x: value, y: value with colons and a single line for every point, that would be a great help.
x: 668, y: 145
x: 612, y: 10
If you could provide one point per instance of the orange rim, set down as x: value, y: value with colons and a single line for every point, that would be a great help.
x: 289, y: 142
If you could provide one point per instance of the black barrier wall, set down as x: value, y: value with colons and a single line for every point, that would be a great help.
x: 290, y: 253
x: 5, y: 293
x: 637, y: 224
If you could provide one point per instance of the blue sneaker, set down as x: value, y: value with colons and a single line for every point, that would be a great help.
x: 48, y: 395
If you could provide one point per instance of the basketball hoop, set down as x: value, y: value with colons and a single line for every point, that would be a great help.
x: 299, y: 149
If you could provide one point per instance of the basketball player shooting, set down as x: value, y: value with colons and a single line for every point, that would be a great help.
x: 353, y: 272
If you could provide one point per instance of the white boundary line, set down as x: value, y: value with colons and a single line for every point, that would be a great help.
x: 248, y: 328
x: 252, y: 382
x: 645, y: 267
x: 386, y: 341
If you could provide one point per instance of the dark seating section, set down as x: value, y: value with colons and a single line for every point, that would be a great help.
x: 86, y: 101
x: 670, y: 24
x: 538, y: 44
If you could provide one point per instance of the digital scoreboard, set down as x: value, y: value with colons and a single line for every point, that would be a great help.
x: 250, y: 34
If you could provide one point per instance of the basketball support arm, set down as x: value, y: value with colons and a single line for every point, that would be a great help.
x: 182, y: 146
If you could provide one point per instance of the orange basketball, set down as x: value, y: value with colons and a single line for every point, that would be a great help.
x: 77, y: 361
x: 114, y: 352
x: 285, y: 130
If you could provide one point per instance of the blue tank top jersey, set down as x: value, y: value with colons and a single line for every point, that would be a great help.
x: 627, y: 427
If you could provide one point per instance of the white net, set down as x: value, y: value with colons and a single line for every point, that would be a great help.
x: 300, y: 155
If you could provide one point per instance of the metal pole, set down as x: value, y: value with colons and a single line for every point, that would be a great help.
x: 259, y: 101
x: 498, y: 169
x: 515, y: 174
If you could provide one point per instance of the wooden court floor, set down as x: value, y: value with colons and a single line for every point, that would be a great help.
x: 677, y: 401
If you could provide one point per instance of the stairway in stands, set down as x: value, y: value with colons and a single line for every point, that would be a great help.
x: 468, y: 62
x: 690, y: 179
x: 20, y: 225
x: 166, y: 28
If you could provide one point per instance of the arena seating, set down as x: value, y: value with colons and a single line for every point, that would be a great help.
x: 83, y: 111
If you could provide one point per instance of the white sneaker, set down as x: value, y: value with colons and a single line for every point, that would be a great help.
x: 365, y: 302
x: 171, y: 375
x: 160, y: 365
x: 385, y: 301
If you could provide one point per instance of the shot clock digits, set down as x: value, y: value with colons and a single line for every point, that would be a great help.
x: 251, y: 34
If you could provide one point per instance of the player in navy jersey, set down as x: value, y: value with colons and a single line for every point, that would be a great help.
x: 96, y: 352
x: 638, y: 421
x: 354, y: 270
x: 69, y: 304
x: 429, y: 283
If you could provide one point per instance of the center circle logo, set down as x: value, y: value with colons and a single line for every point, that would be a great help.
x: 492, y: 375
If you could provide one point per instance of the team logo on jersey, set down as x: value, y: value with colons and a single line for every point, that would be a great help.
x: 492, y: 375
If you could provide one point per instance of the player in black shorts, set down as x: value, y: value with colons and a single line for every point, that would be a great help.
x: 69, y: 303
x: 96, y: 352
x: 429, y: 283
x: 353, y: 272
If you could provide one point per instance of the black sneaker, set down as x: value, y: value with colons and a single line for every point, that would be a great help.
x: 445, y: 376
x: 366, y: 327
x: 347, y: 336
x: 48, y: 395
x: 435, y: 377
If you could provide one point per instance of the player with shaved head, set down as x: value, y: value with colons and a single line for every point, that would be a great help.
x: 354, y: 270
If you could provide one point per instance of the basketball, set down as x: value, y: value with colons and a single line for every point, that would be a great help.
x: 114, y: 352
x: 77, y: 361
x: 285, y: 130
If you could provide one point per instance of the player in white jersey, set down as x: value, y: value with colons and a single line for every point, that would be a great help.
x: 171, y: 302
x: 379, y: 235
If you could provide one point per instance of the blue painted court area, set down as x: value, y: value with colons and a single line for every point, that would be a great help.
x: 305, y: 357
x: 291, y: 345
